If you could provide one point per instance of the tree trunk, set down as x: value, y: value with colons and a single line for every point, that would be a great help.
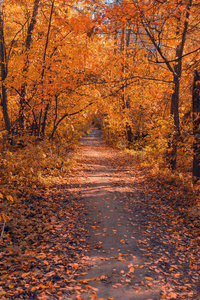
x: 23, y: 92
x: 175, y: 115
x: 177, y: 77
x: 123, y: 51
x: 44, y: 120
x: 3, y: 64
x: 125, y: 39
x: 196, y: 127
x: 129, y: 134
x: 42, y: 131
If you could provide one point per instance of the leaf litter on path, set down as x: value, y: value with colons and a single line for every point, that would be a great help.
x: 131, y: 221
x: 108, y: 232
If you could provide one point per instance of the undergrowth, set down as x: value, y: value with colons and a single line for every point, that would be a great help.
x: 177, y: 183
x: 28, y: 166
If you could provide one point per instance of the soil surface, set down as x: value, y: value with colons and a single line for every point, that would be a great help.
x: 139, y: 248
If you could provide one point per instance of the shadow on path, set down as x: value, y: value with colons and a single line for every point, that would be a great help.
x: 133, y: 250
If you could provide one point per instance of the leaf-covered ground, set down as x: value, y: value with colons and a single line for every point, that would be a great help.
x: 42, y: 247
x: 106, y: 232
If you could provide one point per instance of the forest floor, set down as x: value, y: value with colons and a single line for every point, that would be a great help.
x: 106, y: 232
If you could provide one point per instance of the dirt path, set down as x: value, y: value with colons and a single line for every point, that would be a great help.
x: 136, y: 247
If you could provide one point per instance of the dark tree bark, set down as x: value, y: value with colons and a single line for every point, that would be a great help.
x: 196, y: 126
x: 3, y: 64
x: 44, y: 120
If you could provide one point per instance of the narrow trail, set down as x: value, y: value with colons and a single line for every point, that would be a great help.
x: 133, y: 240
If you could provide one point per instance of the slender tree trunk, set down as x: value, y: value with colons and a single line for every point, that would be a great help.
x: 115, y: 41
x: 175, y: 115
x: 56, y: 116
x: 28, y: 42
x: 123, y: 50
x: 196, y: 127
x: 39, y: 123
x: 44, y: 120
x: 125, y: 40
x: 176, y: 93
x: 128, y: 36
x: 3, y: 64
x: 34, y: 125
x: 42, y: 132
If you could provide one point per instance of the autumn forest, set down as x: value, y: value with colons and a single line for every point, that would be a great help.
x: 129, y: 68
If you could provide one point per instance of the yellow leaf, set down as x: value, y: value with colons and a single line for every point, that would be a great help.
x: 149, y: 278
x: 130, y: 265
x: 1, y: 196
x: 2, y: 292
x: 43, y: 296
x: 132, y: 269
x: 103, y: 277
x: 41, y: 255
x: 34, y: 288
x: 75, y: 266
x: 141, y: 266
x: 136, y: 289
x: 120, y: 258
x: 11, y: 285
x: 87, y: 280
x: 173, y: 296
x: 25, y: 274
x: 9, y: 198
x: 92, y: 288
x: 43, y: 286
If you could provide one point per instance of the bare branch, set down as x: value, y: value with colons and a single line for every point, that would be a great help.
x: 176, y: 59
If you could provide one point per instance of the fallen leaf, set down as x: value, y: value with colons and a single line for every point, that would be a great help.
x: 131, y: 269
x: 92, y: 288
